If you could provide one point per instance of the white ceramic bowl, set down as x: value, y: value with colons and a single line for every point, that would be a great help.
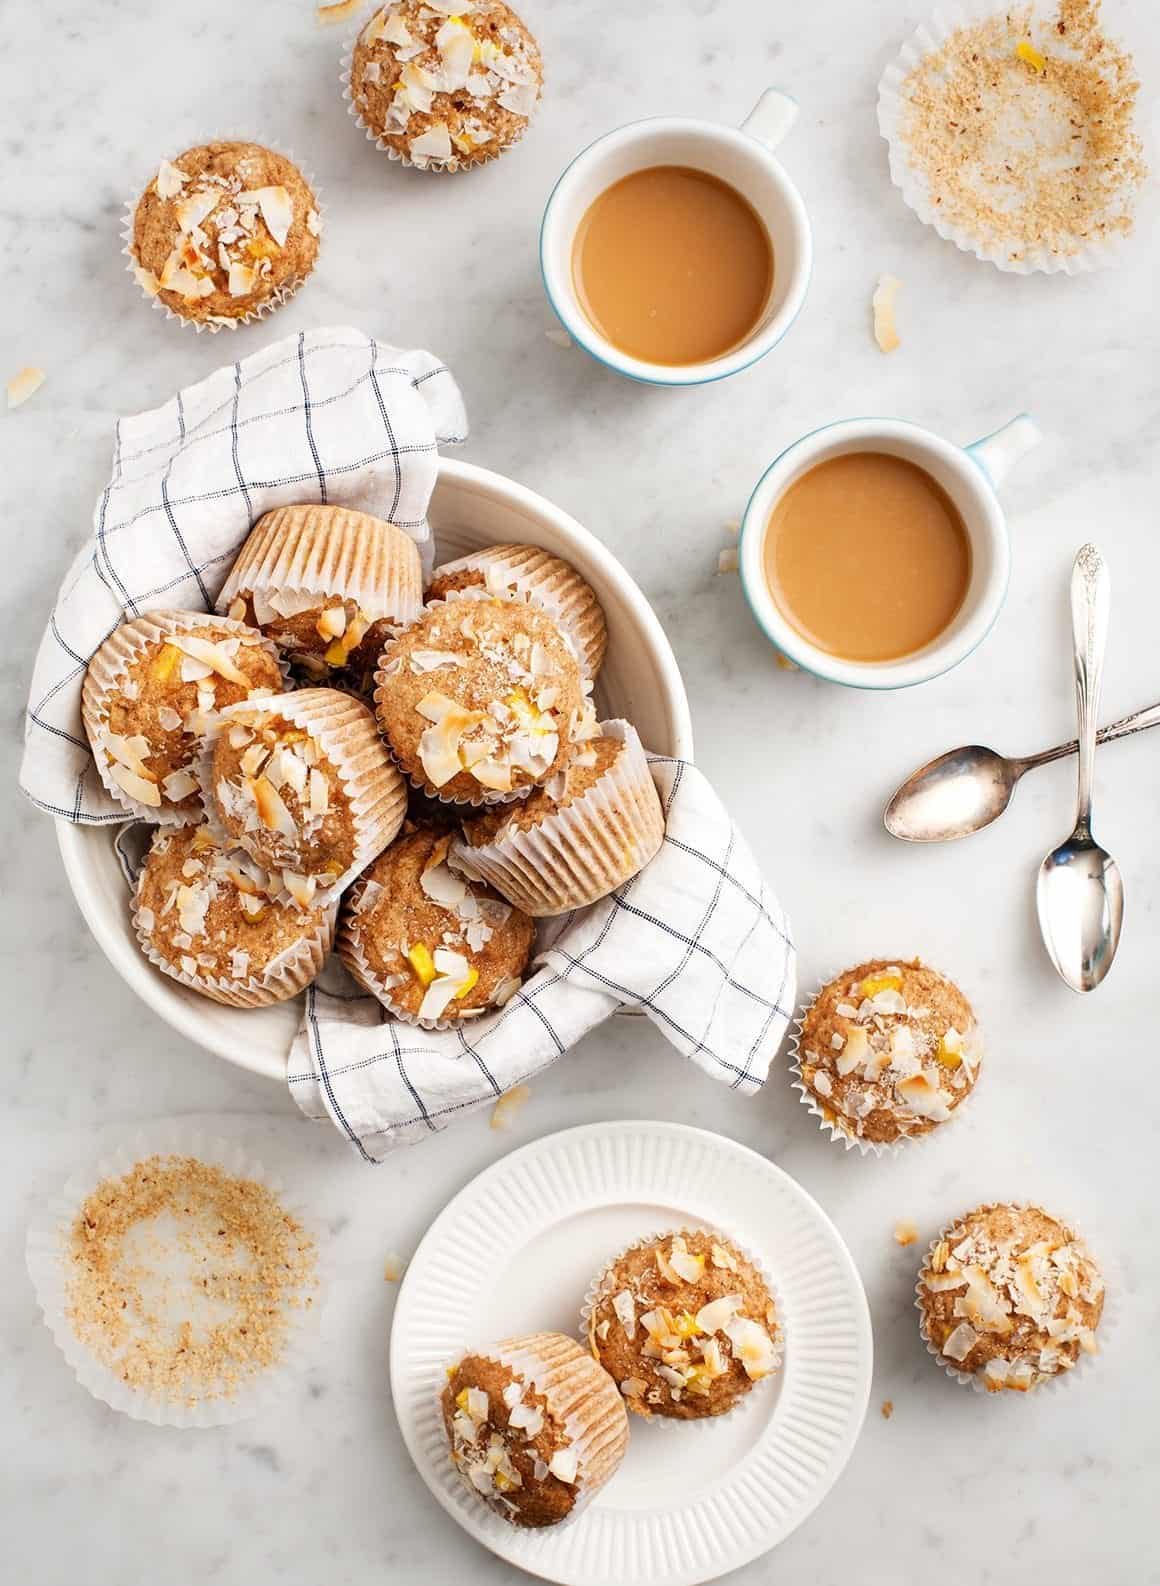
x: 639, y: 681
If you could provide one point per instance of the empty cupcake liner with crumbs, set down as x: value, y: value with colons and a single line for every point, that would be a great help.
x: 1012, y: 133
x: 281, y: 295
x: 1105, y: 1327
x: 161, y: 1315
x: 827, y: 1118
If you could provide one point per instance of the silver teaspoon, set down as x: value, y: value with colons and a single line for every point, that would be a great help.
x: 1079, y: 894
x: 966, y: 789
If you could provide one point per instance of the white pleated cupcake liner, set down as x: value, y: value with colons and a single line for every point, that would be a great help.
x: 1098, y: 253
x: 581, y: 853
x: 551, y: 584
x: 525, y: 1357
x: 375, y: 791
x: 348, y: 945
x: 46, y: 1253
x: 344, y: 562
x: 876, y: 1148
x: 600, y: 1286
x: 1105, y: 1328
x: 485, y: 796
x: 106, y: 675
x: 284, y: 977
x: 276, y: 299
x: 437, y: 167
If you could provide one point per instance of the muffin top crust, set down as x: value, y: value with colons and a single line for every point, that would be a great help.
x: 507, y: 1443
x: 208, y: 912
x: 589, y: 763
x: 451, y: 83
x: 438, y: 946
x: 222, y: 228
x: 147, y: 728
x: 277, y: 793
x: 481, y: 699
x: 889, y: 1050
x: 1009, y: 1295
x: 685, y: 1324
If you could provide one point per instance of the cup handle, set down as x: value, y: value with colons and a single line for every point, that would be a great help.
x: 771, y: 118
x: 997, y: 453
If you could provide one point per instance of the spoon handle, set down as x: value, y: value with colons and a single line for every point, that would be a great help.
x: 1138, y: 721
x: 1090, y: 601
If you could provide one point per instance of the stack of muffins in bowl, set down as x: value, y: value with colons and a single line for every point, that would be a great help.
x: 338, y: 757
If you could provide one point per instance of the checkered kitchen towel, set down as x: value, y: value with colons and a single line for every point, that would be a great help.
x: 326, y: 415
x: 697, y: 942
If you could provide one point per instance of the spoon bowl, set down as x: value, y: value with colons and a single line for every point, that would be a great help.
x: 952, y: 796
x: 1080, y: 899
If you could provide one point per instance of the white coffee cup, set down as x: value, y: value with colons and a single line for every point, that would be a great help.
x: 968, y: 474
x: 742, y: 157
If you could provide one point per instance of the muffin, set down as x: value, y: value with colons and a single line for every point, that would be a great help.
x: 887, y: 1051
x: 302, y: 783
x: 432, y: 947
x: 328, y: 585
x: 481, y: 700
x: 524, y: 572
x: 224, y: 232
x: 535, y: 1427
x: 443, y: 86
x: 149, y: 695
x: 205, y: 916
x: 1009, y: 1298
x: 589, y: 830
x: 685, y: 1324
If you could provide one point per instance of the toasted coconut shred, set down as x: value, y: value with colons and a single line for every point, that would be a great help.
x: 182, y: 1279
x: 885, y: 330
x: 1022, y: 127
x: 23, y: 385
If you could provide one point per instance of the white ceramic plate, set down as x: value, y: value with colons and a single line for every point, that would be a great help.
x: 639, y: 681
x: 514, y: 1253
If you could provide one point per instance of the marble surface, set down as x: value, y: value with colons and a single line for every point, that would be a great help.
x: 1059, y: 1487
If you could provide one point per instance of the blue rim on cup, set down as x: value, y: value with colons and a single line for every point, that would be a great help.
x: 969, y: 474
x: 742, y: 157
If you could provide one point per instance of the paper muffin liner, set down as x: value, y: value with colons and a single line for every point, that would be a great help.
x: 283, y: 977
x: 596, y: 1424
x: 1104, y: 1328
x: 580, y: 853
x: 106, y: 674
x: 276, y: 299
x: 345, y: 731
x: 547, y: 581
x: 1096, y: 254
x: 325, y: 551
x: 380, y: 143
x: 745, y: 1402
x: 484, y: 795
x: 46, y: 1255
x: 809, y: 1100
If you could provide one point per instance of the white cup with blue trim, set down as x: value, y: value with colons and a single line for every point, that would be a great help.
x: 743, y: 158
x: 970, y: 476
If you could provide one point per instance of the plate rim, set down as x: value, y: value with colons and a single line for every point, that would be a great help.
x: 865, y: 1342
